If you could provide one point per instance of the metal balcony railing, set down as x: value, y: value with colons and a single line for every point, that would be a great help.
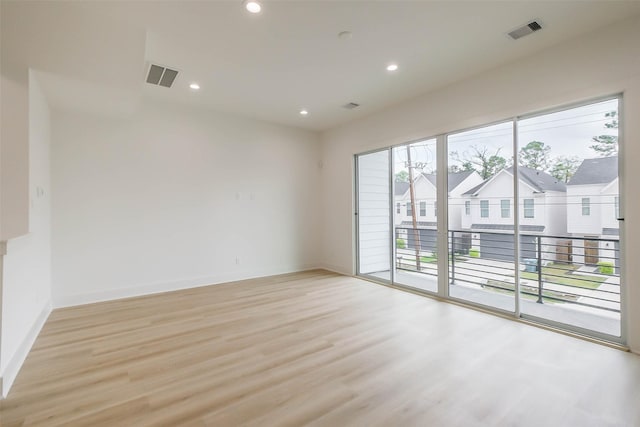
x: 553, y: 269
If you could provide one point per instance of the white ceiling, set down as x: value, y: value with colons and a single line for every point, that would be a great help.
x: 93, y: 55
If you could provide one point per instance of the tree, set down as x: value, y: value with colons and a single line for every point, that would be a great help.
x: 481, y: 160
x: 564, y: 167
x: 535, y: 155
x: 464, y: 167
x: 607, y: 145
x: 402, y: 176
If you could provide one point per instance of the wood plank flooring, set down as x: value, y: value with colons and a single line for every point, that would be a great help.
x: 313, y: 348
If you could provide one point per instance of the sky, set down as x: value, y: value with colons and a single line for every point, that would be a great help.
x: 568, y: 133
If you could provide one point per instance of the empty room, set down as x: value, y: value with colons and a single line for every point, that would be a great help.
x: 328, y: 213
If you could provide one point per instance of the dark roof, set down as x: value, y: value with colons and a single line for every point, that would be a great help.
x: 454, y: 179
x: 602, y: 170
x: 401, y: 188
x: 539, y: 180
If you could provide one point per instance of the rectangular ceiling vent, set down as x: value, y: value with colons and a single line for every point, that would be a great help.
x: 525, y: 30
x: 161, y: 76
x: 351, y: 106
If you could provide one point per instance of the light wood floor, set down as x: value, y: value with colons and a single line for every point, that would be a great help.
x: 313, y: 348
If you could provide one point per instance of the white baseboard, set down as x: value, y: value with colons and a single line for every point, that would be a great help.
x: 61, y: 301
x: 13, y: 367
x: 336, y: 269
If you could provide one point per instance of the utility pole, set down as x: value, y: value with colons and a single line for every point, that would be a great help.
x: 412, y: 195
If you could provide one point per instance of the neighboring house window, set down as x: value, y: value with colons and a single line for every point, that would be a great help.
x: 423, y: 208
x: 586, y: 206
x: 484, y: 209
x: 435, y: 208
x: 397, y: 208
x: 505, y: 208
x: 467, y: 208
x: 529, y: 208
x: 408, y: 208
x: 616, y: 202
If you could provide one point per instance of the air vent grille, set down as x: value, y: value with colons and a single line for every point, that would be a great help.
x: 525, y: 30
x: 351, y: 106
x: 161, y: 76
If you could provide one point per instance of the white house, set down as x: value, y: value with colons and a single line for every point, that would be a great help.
x: 488, y: 210
x: 426, y: 204
x: 593, y: 210
x: 425, y: 194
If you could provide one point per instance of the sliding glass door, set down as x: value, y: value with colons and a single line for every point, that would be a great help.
x: 570, y: 204
x: 521, y: 217
x: 416, y: 215
x: 373, y: 215
x: 481, y: 216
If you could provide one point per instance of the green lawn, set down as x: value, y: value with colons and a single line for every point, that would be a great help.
x: 563, y: 274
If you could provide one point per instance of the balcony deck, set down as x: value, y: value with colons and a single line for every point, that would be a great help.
x: 602, y: 321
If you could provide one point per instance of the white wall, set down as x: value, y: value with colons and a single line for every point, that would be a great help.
x: 609, y: 217
x: 27, y: 265
x: 14, y: 151
x: 584, y: 224
x: 604, y: 62
x: 457, y: 217
x: 499, y: 188
x: 424, y: 191
x: 170, y: 197
x: 556, y: 213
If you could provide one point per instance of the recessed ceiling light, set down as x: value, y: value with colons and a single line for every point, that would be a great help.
x: 194, y: 86
x: 253, y: 6
x: 304, y: 112
x: 392, y: 67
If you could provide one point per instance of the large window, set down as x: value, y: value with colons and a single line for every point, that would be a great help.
x: 568, y: 159
x: 373, y: 209
x: 416, y: 245
x: 532, y: 217
x: 481, y: 245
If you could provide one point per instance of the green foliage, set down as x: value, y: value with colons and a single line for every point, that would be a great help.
x: 606, y: 267
x: 464, y: 167
x: 607, y: 145
x: 474, y: 253
x: 402, y: 176
x: 564, y: 167
x: 400, y: 244
x: 535, y: 155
